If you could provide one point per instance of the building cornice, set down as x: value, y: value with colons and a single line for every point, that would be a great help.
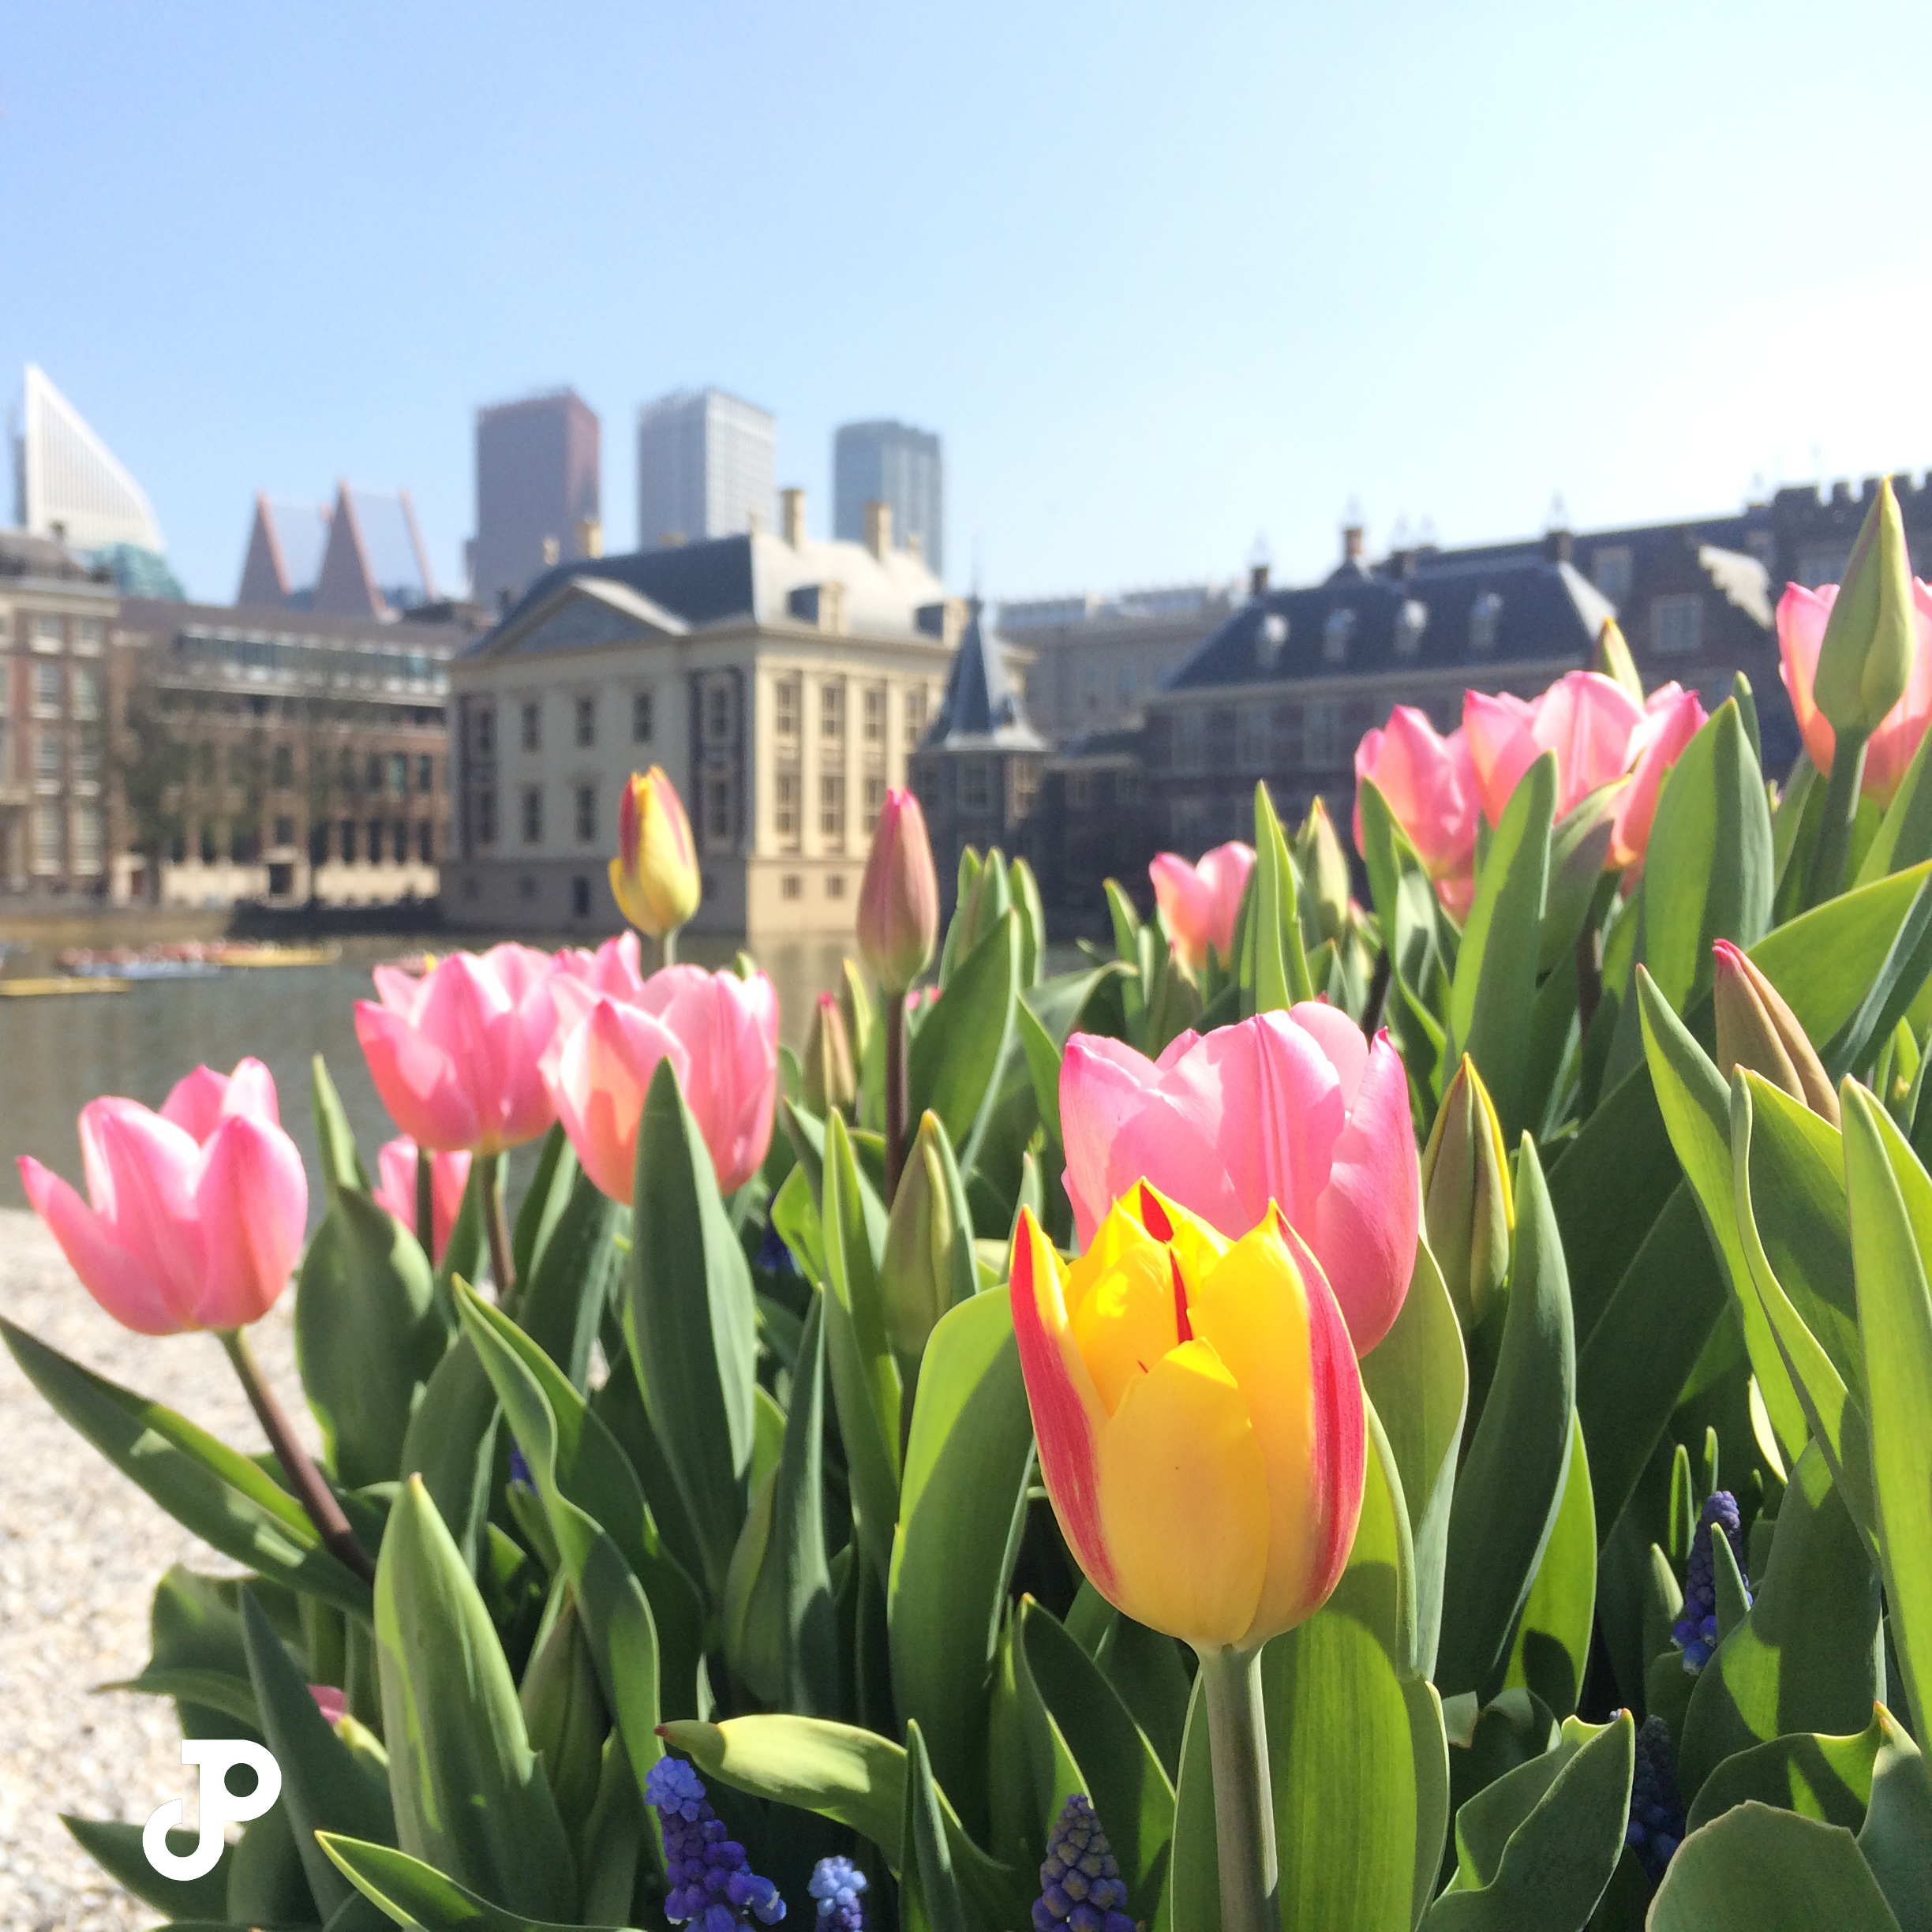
x: 1539, y: 671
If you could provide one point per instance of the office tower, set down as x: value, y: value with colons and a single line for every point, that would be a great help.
x: 539, y: 467
x: 894, y: 464
x: 707, y: 467
x: 67, y: 483
x: 375, y: 562
x: 285, y: 547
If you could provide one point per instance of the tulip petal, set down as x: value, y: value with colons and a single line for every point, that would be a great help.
x: 252, y: 1189
x: 417, y: 1081
x: 1183, y: 1502
x: 194, y: 1103
x: 114, y: 1278
x: 141, y: 1172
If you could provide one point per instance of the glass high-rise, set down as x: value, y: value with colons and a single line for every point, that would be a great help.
x: 894, y: 464
x: 537, y: 479
x: 707, y: 467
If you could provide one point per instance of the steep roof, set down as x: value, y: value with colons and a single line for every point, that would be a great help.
x: 286, y: 544
x: 981, y: 710
x: 375, y: 561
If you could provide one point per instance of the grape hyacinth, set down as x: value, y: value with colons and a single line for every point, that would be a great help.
x: 519, y: 1469
x: 1656, y: 1809
x: 1696, y: 1632
x: 1081, y: 1889
x: 713, y: 1885
x: 835, y: 1883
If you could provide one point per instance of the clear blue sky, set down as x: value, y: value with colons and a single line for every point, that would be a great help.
x: 1163, y: 277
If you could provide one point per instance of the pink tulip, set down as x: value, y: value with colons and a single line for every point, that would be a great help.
x: 617, y: 966
x: 395, y: 1188
x: 720, y: 1035
x: 898, y: 923
x: 1201, y: 902
x: 455, y: 1054
x: 1801, y: 615
x: 1296, y: 1108
x: 198, y: 1210
x: 1672, y: 717
x: 330, y: 1702
x: 1589, y: 720
x: 1430, y: 786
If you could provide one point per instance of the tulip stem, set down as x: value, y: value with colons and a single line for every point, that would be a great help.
x: 895, y: 1100
x: 667, y: 947
x: 317, y: 1499
x: 1841, y: 804
x: 496, y: 1223
x: 1243, y: 1794
x: 425, y: 1202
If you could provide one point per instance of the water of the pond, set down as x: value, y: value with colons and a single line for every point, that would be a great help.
x: 56, y: 1054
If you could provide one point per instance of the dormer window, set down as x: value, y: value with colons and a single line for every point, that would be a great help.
x: 1411, y: 621
x: 1337, y: 630
x: 1485, y: 621
x: 1271, y: 639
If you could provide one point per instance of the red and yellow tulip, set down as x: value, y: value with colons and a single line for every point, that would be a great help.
x: 1199, y: 1417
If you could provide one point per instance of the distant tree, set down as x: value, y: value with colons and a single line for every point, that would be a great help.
x: 151, y: 766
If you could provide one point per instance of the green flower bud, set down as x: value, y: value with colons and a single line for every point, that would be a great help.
x: 1756, y: 1030
x: 1866, y: 655
x: 1324, y: 869
x: 855, y: 1010
x: 829, y: 1081
x: 1614, y: 660
x: 928, y: 1261
x: 985, y: 898
x: 1468, y: 1210
x: 564, y: 1714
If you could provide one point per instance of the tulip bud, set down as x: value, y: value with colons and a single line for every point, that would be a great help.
x: 654, y: 876
x: 1324, y: 871
x: 855, y: 1010
x: 1468, y: 1210
x: 899, y: 895
x: 564, y: 1714
x: 829, y: 1078
x: 1025, y: 892
x: 1871, y: 636
x: 1614, y: 660
x: 928, y: 1261
x: 984, y: 900
x: 1756, y: 1030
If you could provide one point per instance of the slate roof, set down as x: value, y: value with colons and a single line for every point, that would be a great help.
x: 981, y: 711
x: 1541, y: 611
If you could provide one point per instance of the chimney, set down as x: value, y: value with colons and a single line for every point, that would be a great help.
x: 552, y: 551
x: 915, y: 546
x: 1351, y: 543
x: 792, y: 515
x: 671, y: 540
x: 878, y: 529
x: 1402, y: 562
x: 590, y: 536
x: 1558, y: 546
x: 1258, y: 581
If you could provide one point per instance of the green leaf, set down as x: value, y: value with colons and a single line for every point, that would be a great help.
x: 1414, y: 928
x: 1579, y: 843
x: 465, y: 1251
x: 451, y: 1444
x: 544, y: 1200
x: 957, y: 1051
x: 1378, y: 1587
x: 1049, y: 1013
x: 341, y: 1166
x: 117, y: 1849
x: 1495, y: 972
x: 220, y: 1494
x: 930, y: 1899
x: 1507, y: 1497
x: 1757, y: 1869
x: 1890, y: 1198
x: 1896, y: 1837
x: 1827, y: 1778
x: 1904, y: 834
x: 470, y: 1795
x: 367, y: 1335
x: 961, y: 1505
x: 266, y: 1883
x: 1550, y: 1652
x: 1806, y: 1659
x: 690, y: 1321
x: 1708, y: 868
x: 1417, y: 1376
x: 419, y: 1896
x: 1280, y: 976
x: 562, y: 1296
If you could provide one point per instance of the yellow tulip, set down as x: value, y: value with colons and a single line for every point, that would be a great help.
x: 655, y: 875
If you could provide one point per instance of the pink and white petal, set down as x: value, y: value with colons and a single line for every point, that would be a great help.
x: 195, y: 1101
x: 114, y: 1278
x: 252, y: 1090
x: 254, y: 1202
x: 417, y: 1080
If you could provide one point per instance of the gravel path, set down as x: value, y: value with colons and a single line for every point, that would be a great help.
x: 81, y: 1551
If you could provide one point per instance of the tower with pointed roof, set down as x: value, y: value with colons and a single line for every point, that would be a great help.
x: 976, y: 772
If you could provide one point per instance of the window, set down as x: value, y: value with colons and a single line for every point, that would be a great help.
x: 1025, y: 786
x: 48, y: 635
x: 349, y: 841
x: 587, y: 814
x: 835, y: 885
x: 580, y: 897
x: 1321, y: 733
x: 641, y: 717
x: 785, y: 805
x: 398, y: 774
x: 1337, y: 629
x: 85, y: 691
x: 533, y: 814
x: 46, y: 838
x: 49, y: 763
x: 86, y: 825
x: 976, y: 785
x: 717, y: 714
x: 1190, y: 740
x: 874, y: 714
x: 875, y: 803
x: 318, y: 844
x: 1485, y: 621
x: 87, y: 761
x: 375, y: 841
x: 1817, y: 567
x: 425, y: 773
x: 832, y: 805
x: 1253, y: 739
x: 46, y: 691
x: 90, y: 634
x: 1610, y: 571
x: 791, y: 886
x: 206, y: 845
x: 1080, y: 791
x: 915, y: 714
x: 1677, y: 625
x: 832, y: 710
x: 486, y: 819
x: 372, y: 773
x: 399, y: 842
x: 425, y: 842
x: 345, y: 771
x: 785, y: 707
x: 1411, y: 621
x: 486, y: 730
x: 532, y: 725
x: 717, y: 809
x: 242, y: 845
x: 285, y: 830
x: 587, y: 720
x: 282, y: 763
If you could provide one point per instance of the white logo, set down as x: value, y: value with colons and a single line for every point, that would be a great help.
x: 217, y: 1756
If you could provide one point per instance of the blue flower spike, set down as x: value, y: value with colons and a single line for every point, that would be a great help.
x: 1081, y: 1889
x: 1656, y: 1809
x: 1696, y: 1632
x: 713, y: 1885
x: 835, y: 1883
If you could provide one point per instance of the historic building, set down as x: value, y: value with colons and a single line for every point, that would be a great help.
x: 779, y: 681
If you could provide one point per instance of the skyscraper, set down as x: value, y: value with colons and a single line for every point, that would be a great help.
x: 707, y: 467
x: 894, y: 464
x: 538, y: 483
x: 67, y: 483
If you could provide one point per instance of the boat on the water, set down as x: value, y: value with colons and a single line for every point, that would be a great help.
x: 26, y: 988
x: 194, y: 959
x: 139, y: 968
